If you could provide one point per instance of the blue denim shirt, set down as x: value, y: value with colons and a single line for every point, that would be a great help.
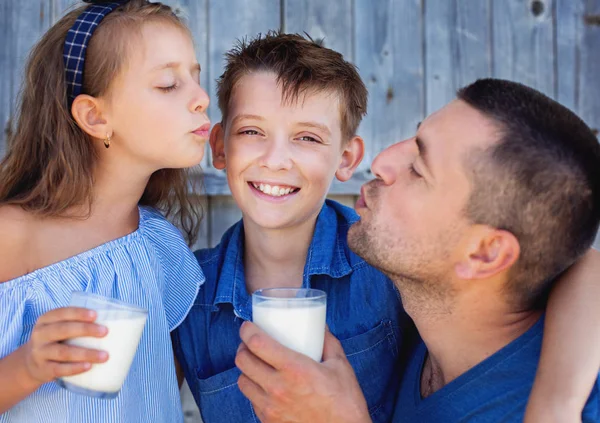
x: 363, y: 311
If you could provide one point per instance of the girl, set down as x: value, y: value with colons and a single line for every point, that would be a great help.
x: 111, y: 114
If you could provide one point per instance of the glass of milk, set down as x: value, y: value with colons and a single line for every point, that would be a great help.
x: 293, y: 317
x: 125, y: 324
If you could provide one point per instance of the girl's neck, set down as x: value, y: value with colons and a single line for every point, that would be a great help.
x: 276, y: 257
x: 116, y: 194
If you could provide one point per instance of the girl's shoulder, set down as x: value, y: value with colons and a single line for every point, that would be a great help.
x: 16, y: 227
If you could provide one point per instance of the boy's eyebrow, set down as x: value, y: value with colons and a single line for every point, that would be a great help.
x: 195, y: 66
x: 317, y: 126
x: 246, y: 116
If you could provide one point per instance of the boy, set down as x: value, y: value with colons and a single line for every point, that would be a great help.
x: 290, y: 112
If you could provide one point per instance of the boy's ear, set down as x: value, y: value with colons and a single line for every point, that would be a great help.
x: 87, y: 112
x: 352, y: 155
x: 217, y: 146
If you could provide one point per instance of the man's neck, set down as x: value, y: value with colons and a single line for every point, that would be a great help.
x: 276, y: 257
x: 464, y: 334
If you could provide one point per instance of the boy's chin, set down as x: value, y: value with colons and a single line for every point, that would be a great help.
x: 274, y: 221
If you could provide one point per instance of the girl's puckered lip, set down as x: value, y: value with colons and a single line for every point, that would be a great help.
x: 203, y: 130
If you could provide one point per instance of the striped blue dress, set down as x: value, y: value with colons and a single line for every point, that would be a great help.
x: 152, y: 268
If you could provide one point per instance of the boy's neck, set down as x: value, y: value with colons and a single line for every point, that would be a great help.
x: 275, y: 258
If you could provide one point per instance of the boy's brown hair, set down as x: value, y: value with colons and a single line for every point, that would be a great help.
x: 301, y: 65
x: 48, y: 167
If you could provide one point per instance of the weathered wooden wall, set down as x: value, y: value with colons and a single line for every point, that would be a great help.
x: 413, y: 55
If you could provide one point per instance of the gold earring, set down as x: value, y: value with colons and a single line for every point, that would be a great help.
x: 107, y: 141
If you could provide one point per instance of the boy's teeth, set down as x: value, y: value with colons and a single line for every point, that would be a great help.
x: 275, y: 190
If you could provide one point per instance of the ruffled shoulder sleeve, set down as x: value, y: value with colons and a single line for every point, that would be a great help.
x: 181, y: 273
x: 15, y: 325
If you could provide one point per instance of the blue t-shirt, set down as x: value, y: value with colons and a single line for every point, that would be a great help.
x: 363, y: 311
x: 496, y: 390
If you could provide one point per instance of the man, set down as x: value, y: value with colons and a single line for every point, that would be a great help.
x: 473, y: 219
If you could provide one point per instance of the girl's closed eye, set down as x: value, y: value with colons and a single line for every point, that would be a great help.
x: 169, y: 88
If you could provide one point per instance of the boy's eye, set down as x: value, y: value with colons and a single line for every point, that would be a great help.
x: 308, y: 138
x: 169, y: 88
x: 249, y: 132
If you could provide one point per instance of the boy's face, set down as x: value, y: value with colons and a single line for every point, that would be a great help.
x: 281, y: 157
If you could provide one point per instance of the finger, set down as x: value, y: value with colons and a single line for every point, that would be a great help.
x: 66, y: 330
x: 254, y: 368
x: 267, y: 349
x: 67, y: 314
x: 68, y: 369
x: 67, y: 353
x: 332, y: 348
x: 253, y: 392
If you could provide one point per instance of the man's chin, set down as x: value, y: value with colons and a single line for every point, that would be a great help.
x: 358, y: 240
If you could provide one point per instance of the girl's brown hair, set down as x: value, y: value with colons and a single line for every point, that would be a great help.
x: 49, y: 163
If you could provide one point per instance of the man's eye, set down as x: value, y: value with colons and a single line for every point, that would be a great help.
x: 414, y: 171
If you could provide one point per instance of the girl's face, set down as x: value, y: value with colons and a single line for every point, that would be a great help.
x: 156, y: 107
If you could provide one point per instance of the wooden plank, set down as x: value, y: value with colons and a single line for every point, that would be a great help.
x: 224, y: 212
x: 232, y: 20
x: 589, y: 93
x: 203, y: 240
x: 569, y: 32
x: 523, y: 43
x: 22, y: 23
x: 389, y: 54
x: 327, y: 21
x: 347, y: 200
x: 457, y: 47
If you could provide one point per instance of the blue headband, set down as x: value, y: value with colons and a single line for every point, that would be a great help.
x: 77, y: 41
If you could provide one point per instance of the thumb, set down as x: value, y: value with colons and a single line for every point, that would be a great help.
x: 332, y: 347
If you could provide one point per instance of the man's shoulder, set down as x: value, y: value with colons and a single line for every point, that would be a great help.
x: 494, y: 390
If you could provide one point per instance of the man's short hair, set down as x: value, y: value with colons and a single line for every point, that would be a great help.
x: 541, y: 182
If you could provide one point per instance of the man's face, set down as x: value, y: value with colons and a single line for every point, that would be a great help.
x: 412, y: 223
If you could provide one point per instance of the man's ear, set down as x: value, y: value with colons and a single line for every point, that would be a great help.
x: 352, y: 155
x: 488, y: 252
x: 217, y: 146
x: 88, y: 113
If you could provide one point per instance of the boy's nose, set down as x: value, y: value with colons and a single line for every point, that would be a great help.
x: 277, y: 155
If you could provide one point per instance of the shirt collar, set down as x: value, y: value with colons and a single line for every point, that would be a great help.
x: 231, y: 286
x: 328, y: 251
x: 327, y: 255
